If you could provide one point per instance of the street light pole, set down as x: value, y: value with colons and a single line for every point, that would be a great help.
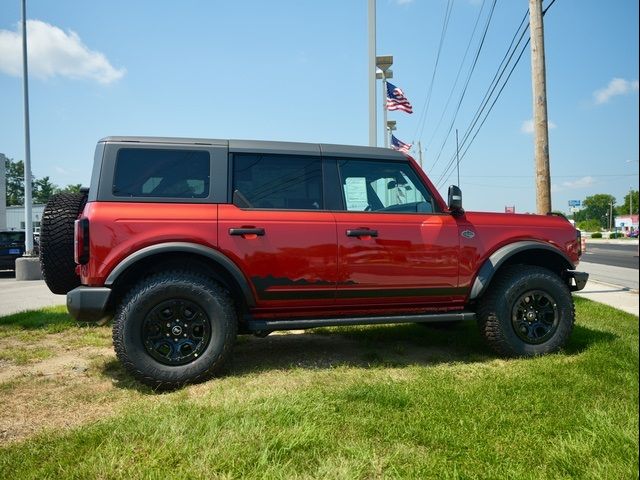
x: 28, y: 225
x: 372, y: 74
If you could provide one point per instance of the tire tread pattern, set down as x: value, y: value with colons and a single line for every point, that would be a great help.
x: 165, y: 280
x: 56, y: 241
x: 491, y: 326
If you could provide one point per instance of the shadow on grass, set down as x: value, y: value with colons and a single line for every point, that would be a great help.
x: 582, y: 338
x: 377, y: 346
x: 122, y: 379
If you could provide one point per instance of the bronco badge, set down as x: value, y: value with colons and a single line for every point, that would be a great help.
x: 468, y: 234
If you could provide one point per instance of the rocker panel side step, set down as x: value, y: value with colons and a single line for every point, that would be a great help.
x: 299, y: 324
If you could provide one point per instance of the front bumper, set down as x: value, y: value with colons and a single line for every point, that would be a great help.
x: 576, y: 280
x: 88, y: 304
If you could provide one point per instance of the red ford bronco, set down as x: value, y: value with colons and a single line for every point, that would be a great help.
x: 185, y: 243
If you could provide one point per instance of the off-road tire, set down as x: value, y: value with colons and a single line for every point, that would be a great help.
x: 496, y: 310
x: 180, y: 286
x: 56, y: 241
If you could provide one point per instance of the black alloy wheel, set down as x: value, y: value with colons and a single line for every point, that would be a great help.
x: 176, y: 332
x: 535, y: 317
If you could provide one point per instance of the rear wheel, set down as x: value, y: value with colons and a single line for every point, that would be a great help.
x: 528, y: 311
x: 175, y: 328
x: 56, y: 241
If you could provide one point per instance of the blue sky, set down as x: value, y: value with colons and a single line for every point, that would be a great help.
x: 297, y: 71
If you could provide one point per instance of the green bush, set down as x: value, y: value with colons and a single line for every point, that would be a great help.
x: 589, y: 225
x: 596, y: 235
x: 616, y: 235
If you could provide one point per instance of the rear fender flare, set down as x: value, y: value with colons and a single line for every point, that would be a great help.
x: 185, y: 247
x: 500, y: 256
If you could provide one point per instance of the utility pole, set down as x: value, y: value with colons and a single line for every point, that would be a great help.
x: 420, y: 155
x: 371, y: 73
x: 610, y: 216
x: 540, y: 120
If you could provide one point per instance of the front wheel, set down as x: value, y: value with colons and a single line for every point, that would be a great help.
x: 174, y: 328
x: 528, y: 311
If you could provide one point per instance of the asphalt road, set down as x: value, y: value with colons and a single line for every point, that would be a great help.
x: 625, y: 256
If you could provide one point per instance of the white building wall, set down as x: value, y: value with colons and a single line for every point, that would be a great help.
x: 15, y: 217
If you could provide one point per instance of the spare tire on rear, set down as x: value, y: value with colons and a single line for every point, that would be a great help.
x: 56, y: 241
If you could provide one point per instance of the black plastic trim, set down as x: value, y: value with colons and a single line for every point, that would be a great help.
x: 271, y: 325
x: 493, y: 263
x: 246, y: 231
x: 195, y: 248
x: 88, y: 304
x: 579, y: 280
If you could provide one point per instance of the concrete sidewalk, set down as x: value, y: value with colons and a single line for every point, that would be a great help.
x: 615, y: 296
x: 18, y: 296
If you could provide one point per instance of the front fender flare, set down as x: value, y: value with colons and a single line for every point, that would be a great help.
x: 500, y: 256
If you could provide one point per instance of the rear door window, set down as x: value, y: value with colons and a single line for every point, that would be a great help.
x: 162, y: 173
x: 284, y: 182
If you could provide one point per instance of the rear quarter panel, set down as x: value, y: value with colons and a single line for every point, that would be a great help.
x: 118, y: 229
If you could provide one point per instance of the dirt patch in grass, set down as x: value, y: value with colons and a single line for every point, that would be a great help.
x: 80, y: 381
x: 59, y: 392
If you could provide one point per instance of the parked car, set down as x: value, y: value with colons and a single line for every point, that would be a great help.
x: 11, y: 247
x: 185, y: 243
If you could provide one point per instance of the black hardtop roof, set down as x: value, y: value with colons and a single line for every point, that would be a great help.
x: 267, y: 146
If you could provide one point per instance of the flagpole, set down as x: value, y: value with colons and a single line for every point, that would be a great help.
x: 384, y: 110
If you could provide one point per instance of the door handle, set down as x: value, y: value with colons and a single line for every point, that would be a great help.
x: 247, y: 231
x: 362, y: 232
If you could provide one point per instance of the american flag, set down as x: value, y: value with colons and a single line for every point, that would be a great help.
x: 396, y: 99
x: 400, y: 145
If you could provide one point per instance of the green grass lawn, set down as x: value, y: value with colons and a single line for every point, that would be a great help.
x: 360, y: 402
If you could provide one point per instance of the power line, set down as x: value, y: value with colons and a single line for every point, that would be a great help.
x: 474, y: 122
x: 427, y: 101
x: 492, y: 86
x: 464, y: 90
x: 455, y: 83
x: 485, y: 117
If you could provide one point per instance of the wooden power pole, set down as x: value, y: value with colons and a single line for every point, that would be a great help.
x: 540, y: 121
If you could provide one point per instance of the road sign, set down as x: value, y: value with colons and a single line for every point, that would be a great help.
x: 574, y: 209
x: 574, y: 203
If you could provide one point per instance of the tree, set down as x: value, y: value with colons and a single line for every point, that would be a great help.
x: 623, y: 210
x: 75, y: 188
x: 597, y: 207
x: 43, y: 189
x: 15, y: 182
x: 590, y: 225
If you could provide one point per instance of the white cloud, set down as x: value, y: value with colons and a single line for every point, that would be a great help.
x: 583, y: 182
x: 617, y: 86
x: 403, y: 2
x: 54, y: 52
x: 527, y: 126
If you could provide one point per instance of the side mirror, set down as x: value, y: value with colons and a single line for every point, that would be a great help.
x: 455, y: 200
